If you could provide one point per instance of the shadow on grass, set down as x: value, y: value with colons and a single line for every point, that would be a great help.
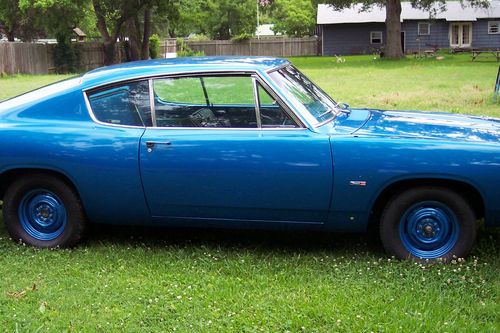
x: 264, y: 240
x: 487, y: 245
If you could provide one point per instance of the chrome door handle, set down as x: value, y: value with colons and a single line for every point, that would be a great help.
x: 151, y: 144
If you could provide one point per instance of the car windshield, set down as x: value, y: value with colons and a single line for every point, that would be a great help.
x: 319, y: 107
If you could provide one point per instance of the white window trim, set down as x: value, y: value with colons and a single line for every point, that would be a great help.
x: 420, y: 33
x: 381, y: 37
x: 490, y: 23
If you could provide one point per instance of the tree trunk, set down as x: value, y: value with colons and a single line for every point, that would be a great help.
x: 133, y: 39
x: 393, y: 47
x: 147, y: 34
x: 109, y: 52
x: 10, y: 35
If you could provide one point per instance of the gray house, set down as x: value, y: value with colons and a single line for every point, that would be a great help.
x: 352, y: 31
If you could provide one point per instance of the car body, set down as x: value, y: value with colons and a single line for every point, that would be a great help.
x: 240, y: 143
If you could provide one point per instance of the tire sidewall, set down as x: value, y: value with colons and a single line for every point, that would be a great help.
x: 15, y: 194
x: 398, y: 207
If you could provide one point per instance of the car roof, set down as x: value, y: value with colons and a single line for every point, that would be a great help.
x: 154, y: 67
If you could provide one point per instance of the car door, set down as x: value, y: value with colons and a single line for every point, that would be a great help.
x: 213, y: 155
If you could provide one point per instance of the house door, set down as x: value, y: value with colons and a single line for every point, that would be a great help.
x: 460, y: 34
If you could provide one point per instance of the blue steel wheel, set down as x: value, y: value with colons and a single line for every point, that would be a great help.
x: 429, y: 230
x: 43, y: 210
x: 428, y: 223
x: 42, y: 215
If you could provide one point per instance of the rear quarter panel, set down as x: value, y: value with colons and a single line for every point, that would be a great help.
x: 102, y: 161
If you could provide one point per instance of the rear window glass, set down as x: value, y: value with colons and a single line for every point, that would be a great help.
x: 123, y: 105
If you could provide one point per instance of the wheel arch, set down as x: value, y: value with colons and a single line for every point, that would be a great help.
x: 7, y: 177
x: 470, y: 193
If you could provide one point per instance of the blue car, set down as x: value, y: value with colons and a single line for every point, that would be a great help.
x: 246, y: 142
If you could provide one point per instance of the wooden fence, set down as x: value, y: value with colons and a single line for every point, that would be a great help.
x: 35, y: 58
x: 275, y: 47
x: 25, y: 58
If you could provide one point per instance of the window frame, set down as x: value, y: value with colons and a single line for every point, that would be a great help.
x: 300, y: 125
x: 419, y: 30
x: 104, y: 87
x: 490, y: 23
x: 381, y: 37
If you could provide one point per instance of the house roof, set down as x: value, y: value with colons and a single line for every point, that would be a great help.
x: 453, y: 12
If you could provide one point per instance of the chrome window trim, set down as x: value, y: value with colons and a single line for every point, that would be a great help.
x: 257, y: 102
x: 288, y: 110
x: 166, y: 75
x: 97, y: 121
x: 252, y: 73
x: 152, y: 103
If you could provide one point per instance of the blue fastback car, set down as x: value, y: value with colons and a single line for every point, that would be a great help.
x: 241, y: 143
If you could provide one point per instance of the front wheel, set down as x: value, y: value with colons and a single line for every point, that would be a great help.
x: 43, y: 211
x: 428, y: 223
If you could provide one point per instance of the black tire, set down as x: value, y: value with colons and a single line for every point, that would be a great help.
x: 428, y: 223
x: 25, y: 205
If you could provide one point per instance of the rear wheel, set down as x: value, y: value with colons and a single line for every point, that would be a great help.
x: 428, y: 223
x: 43, y: 211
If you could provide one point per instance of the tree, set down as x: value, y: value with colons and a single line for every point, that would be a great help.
x: 139, y: 30
x: 294, y: 18
x: 393, y: 47
x: 219, y: 19
x: 110, y: 17
x: 18, y: 22
x: 57, y: 17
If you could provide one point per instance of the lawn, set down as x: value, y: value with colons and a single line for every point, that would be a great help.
x: 151, y: 280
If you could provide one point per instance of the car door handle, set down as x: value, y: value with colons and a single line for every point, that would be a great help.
x: 151, y: 144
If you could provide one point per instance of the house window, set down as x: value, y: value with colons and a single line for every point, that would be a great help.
x: 376, y: 37
x: 494, y: 27
x: 424, y: 29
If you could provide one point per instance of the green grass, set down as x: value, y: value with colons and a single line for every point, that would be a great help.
x: 152, y: 280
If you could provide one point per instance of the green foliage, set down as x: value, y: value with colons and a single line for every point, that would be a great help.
x: 244, y: 37
x: 66, y: 56
x: 295, y: 18
x: 57, y: 17
x: 219, y: 19
x: 154, y: 46
x: 183, y: 50
x: 198, y: 37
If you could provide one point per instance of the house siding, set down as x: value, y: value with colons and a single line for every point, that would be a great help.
x: 342, y: 39
x: 354, y: 38
x: 438, y: 37
x: 481, y: 38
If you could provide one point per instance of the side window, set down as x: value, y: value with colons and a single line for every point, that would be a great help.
x: 123, y: 105
x: 272, y: 115
x: 205, y: 101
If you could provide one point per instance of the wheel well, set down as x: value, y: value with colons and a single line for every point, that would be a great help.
x: 470, y: 194
x: 8, y: 177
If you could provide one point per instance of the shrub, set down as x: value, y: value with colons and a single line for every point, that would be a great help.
x: 183, y: 50
x: 242, y: 37
x: 66, y: 55
x: 154, y: 46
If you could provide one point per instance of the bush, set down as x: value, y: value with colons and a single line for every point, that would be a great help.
x: 242, y: 37
x: 154, y: 46
x: 183, y: 50
x: 66, y: 56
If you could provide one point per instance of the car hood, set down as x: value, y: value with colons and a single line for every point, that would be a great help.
x: 430, y: 125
